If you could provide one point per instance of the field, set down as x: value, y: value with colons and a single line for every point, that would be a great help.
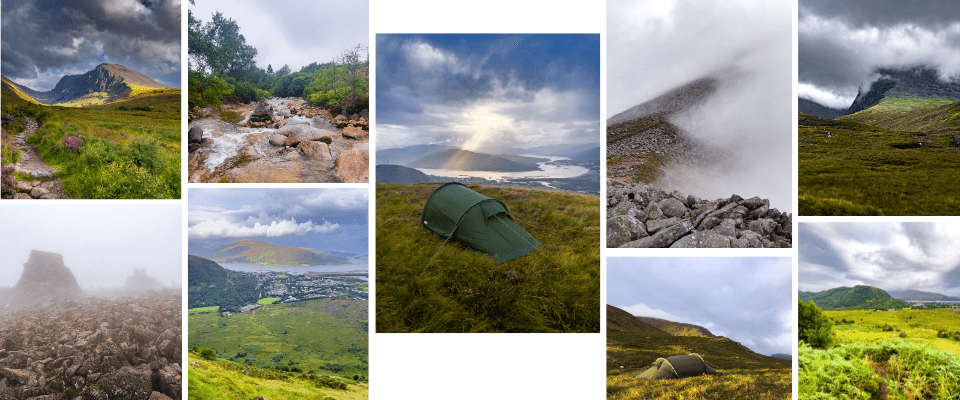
x: 323, y: 336
x: 885, y: 355
x: 896, y: 158
x: 222, y: 379
x: 267, y: 301
x: 426, y: 285
x: 744, y: 374
x: 127, y: 149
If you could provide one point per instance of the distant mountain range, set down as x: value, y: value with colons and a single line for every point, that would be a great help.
x: 107, y: 83
x: 917, y: 295
x: 262, y: 253
x: 859, y: 297
x: 916, y: 82
x: 432, y: 156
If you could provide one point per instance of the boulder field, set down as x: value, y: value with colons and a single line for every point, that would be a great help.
x: 639, y: 215
x: 93, y: 348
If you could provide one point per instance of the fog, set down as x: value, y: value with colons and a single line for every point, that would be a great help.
x: 655, y: 46
x: 102, y: 245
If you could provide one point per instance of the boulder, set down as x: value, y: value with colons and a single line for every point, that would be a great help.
x: 353, y: 166
x: 278, y: 140
x: 301, y: 133
x: 354, y: 132
x: 702, y: 239
x: 316, y: 151
x: 672, y: 207
x: 663, y: 238
x: 195, y: 134
x: 37, y: 192
x: 128, y: 382
x: 624, y: 228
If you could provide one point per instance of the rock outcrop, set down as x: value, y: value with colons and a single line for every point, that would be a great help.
x: 639, y: 215
x: 126, y: 348
x: 44, y: 278
x: 139, y: 281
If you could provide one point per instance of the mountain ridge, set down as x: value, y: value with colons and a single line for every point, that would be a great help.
x: 859, y: 297
x: 106, y: 83
x: 248, y: 251
x: 919, y: 295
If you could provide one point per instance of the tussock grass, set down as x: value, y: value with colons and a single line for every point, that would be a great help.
x: 632, y: 346
x: 555, y: 288
x: 849, y: 168
x: 222, y: 379
x: 920, y: 326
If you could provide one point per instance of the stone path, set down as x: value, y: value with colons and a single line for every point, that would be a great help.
x: 43, y: 185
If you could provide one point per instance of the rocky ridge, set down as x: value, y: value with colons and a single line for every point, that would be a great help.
x: 95, y: 348
x: 640, y: 216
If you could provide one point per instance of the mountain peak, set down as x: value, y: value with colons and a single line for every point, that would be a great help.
x: 918, y: 81
x: 106, y: 83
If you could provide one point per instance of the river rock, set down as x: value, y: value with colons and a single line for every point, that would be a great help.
x: 354, y: 132
x: 353, y: 165
x: 278, y: 140
x: 674, y: 219
x: 195, y: 135
x: 316, y: 150
x: 301, y: 133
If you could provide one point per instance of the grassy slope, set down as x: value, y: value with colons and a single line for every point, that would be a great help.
x: 919, y: 325
x: 634, y: 345
x: 13, y: 95
x: 311, y: 334
x: 847, y: 167
x: 555, y: 288
x: 910, y: 114
x: 223, y: 379
x: 262, y: 253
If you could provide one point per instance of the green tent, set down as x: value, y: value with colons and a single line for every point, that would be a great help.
x: 677, y: 367
x: 483, y: 223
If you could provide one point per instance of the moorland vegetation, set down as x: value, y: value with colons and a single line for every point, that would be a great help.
x: 427, y: 284
x: 129, y: 148
x: 633, y: 343
x: 874, y: 354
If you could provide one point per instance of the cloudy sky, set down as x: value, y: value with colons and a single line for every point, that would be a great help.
x: 43, y: 40
x: 488, y: 92
x: 890, y: 256
x: 101, y: 244
x: 745, y: 299
x: 841, y: 44
x: 295, y: 33
x: 654, y: 46
x: 332, y: 219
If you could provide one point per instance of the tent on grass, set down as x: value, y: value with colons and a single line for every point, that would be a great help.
x: 677, y: 367
x: 453, y: 210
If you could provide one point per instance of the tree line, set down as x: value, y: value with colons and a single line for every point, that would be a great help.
x: 222, y: 69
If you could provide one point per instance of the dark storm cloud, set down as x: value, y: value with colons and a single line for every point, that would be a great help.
x: 891, y: 256
x: 492, y: 91
x: 745, y: 299
x: 44, y: 39
x: 841, y: 44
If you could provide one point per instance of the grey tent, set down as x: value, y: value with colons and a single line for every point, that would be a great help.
x: 677, y: 367
x: 453, y: 210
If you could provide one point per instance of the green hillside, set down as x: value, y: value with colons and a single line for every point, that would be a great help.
x: 129, y: 149
x: 11, y: 94
x: 856, y: 298
x: 262, y: 253
x: 908, y: 163
x: 326, y: 336
x: 910, y: 114
x: 633, y: 344
x: 223, y: 379
x: 209, y: 284
x: 425, y: 285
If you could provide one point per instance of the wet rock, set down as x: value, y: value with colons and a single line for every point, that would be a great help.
x: 195, y: 135
x: 278, y: 140
x: 316, y: 151
x: 301, y: 133
x: 353, y: 132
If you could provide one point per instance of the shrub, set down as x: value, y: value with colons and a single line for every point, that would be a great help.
x: 72, y: 143
x: 208, y: 354
x: 815, y: 328
x: 246, y: 92
x: 8, y: 185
